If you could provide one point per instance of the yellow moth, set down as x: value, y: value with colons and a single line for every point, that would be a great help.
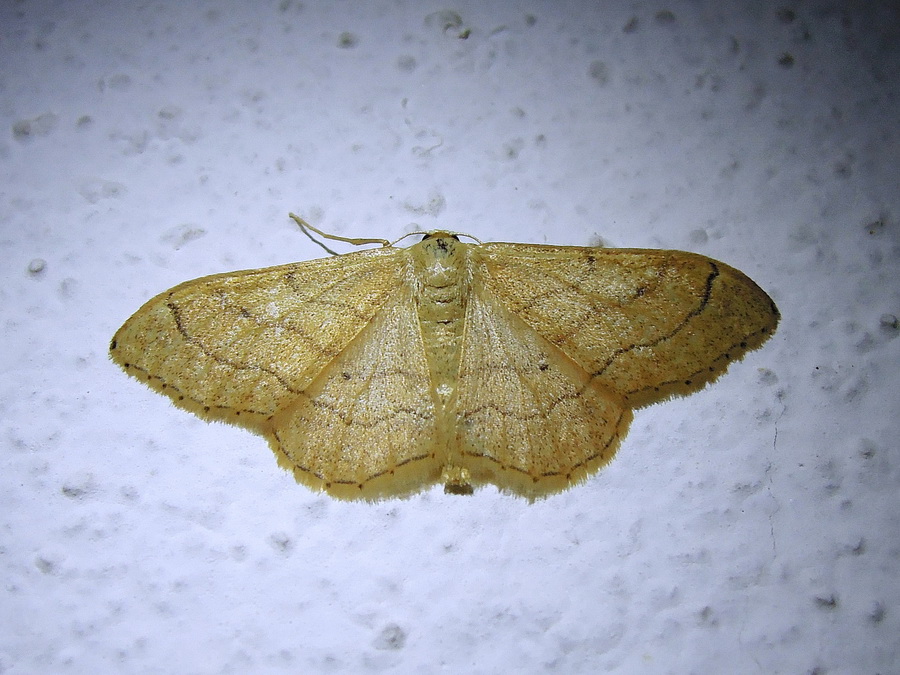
x: 376, y: 373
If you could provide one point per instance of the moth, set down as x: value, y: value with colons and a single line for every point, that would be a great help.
x: 377, y: 373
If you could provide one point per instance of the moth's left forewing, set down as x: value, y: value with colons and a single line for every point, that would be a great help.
x: 238, y: 346
x: 648, y: 324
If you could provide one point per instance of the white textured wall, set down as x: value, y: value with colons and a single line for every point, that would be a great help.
x: 751, y: 528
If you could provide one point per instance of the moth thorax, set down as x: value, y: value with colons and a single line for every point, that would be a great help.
x: 440, y: 265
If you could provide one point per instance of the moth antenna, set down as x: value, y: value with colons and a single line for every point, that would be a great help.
x: 428, y: 233
x: 305, y: 226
